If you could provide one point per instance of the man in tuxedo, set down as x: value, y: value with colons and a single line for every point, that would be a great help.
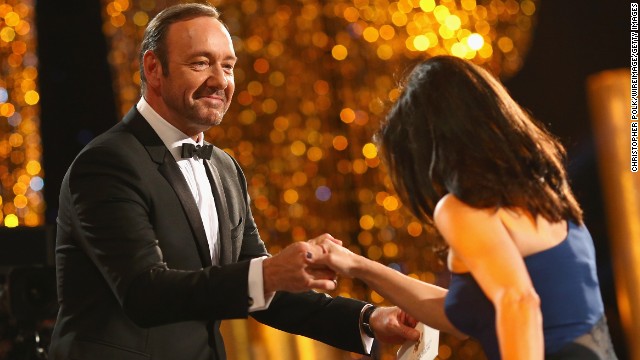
x: 156, y: 241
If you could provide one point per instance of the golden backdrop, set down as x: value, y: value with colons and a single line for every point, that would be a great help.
x: 313, y: 81
x: 21, y: 175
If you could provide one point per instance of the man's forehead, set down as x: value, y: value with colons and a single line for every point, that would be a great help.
x: 197, y: 25
x: 203, y: 30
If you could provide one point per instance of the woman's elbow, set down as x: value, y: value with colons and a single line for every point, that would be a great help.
x: 518, y: 300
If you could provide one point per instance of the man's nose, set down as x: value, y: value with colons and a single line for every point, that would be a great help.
x: 217, y: 78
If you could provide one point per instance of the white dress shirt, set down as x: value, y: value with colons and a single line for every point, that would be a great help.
x: 196, y: 177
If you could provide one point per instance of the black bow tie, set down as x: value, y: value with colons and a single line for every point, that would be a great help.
x: 197, y: 151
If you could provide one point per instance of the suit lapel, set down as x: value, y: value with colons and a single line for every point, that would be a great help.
x: 170, y: 170
x: 227, y: 247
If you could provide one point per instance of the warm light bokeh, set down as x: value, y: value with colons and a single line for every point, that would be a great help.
x: 313, y: 81
x: 21, y: 175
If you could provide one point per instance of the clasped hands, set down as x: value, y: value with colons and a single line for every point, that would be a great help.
x: 315, y: 264
x: 303, y: 266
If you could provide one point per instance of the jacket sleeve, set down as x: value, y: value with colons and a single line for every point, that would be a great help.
x: 333, y: 321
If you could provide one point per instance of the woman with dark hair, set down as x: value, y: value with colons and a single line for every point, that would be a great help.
x: 468, y: 160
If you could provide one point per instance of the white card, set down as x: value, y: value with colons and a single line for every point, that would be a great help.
x: 426, y: 348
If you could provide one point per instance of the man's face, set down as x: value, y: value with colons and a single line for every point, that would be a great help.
x: 199, y: 85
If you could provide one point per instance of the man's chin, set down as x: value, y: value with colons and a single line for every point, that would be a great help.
x: 210, y: 118
x: 216, y: 118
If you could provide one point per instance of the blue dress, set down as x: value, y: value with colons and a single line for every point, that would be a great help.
x: 565, y: 279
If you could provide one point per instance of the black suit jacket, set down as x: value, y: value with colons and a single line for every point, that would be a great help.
x: 134, y: 275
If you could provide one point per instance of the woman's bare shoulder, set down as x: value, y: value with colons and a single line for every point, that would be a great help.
x: 450, y: 207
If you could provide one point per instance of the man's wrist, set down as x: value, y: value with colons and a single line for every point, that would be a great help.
x: 365, y: 320
x: 258, y: 298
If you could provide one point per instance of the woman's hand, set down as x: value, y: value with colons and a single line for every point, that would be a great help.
x: 293, y: 270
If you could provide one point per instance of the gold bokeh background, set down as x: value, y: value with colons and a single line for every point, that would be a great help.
x: 21, y: 175
x: 313, y: 81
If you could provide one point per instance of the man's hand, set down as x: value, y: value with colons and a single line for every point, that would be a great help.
x: 292, y: 269
x: 394, y: 326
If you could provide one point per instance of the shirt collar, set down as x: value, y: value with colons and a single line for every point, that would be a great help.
x: 169, y: 134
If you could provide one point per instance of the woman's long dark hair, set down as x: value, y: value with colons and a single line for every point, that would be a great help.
x: 455, y: 129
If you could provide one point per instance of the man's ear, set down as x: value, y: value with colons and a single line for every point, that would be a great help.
x: 152, y: 69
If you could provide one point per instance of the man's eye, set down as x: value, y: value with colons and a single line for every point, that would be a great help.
x: 200, y: 65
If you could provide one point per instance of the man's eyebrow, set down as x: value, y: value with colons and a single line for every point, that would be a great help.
x: 209, y: 54
x: 231, y: 57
